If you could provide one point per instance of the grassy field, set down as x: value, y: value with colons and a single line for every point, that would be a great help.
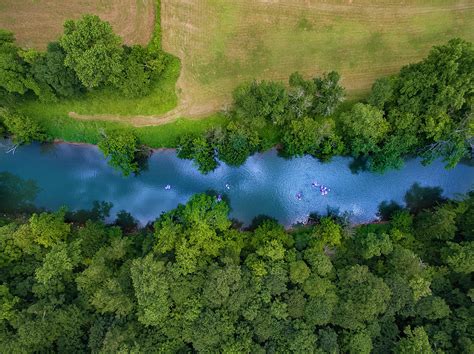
x: 56, y: 117
x: 222, y: 43
x: 38, y: 22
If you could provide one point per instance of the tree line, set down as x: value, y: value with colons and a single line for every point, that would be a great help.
x: 425, y: 110
x: 88, y: 56
x: 195, y: 280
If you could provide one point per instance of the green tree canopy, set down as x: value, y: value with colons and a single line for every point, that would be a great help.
x: 93, y: 51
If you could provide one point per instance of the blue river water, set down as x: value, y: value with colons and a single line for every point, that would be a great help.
x: 76, y: 175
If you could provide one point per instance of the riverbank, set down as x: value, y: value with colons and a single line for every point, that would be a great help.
x: 77, y: 175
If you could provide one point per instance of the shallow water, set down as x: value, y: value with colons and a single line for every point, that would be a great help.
x: 76, y: 175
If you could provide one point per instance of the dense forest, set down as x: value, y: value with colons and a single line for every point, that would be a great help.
x: 197, y: 281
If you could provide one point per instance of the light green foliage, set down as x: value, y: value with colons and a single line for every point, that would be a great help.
x: 43, y: 229
x: 313, y: 137
x: 364, y: 128
x: 328, y: 233
x: 416, y: 341
x: 23, y: 129
x: 7, y: 304
x: 317, y: 97
x: 299, y: 272
x: 56, y: 272
x: 459, y: 256
x: 320, y: 263
x: 93, y: 51
x: 373, y: 245
x: 359, y: 342
x: 151, y: 290
x: 122, y: 148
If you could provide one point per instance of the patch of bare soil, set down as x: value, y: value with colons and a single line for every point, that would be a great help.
x: 36, y: 23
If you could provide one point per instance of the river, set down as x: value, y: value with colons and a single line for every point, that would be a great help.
x: 77, y: 175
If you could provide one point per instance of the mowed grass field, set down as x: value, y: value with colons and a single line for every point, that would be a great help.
x: 38, y: 22
x: 223, y: 43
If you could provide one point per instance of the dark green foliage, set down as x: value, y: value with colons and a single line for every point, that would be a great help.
x: 140, y: 67
x: 194, y: 283
x: 261, y: 102
x: 13, y: 69
x: 200, y: 149
x: 16, y: 194
x: 88, y: 56
x: 237, y: 143
x: 49, y: 72
x: 93, y: 51
x: 123, y: 150
x: 329, y: 94
x: 319, y: 96
x: 428, y: 107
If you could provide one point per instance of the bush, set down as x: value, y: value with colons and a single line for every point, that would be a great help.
x: 123, y: 150
x: 24, y: 130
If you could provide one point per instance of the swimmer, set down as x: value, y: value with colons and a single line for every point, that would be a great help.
x: 315, y: 184
x: 299, y: 196
x: 168, y: 187
x: 227, y: 186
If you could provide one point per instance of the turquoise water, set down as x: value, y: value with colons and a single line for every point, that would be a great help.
x: 75, y: 176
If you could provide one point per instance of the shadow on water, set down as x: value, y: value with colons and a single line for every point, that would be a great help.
x: 416, y: 198
x: 358, y: 165
x: 259, y: 220
x: 99, y: 212
x: 17, y: 194
x: 387, y: 208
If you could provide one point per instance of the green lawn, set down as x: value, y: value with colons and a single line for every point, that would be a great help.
x: 62, y: 127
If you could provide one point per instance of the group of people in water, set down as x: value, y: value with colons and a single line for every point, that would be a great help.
x: 299, y: 196
x: 218, y: 197
x: 322, y: 188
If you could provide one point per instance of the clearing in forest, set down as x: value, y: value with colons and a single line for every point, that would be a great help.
x: 35, y: 23
x: 223, y: 43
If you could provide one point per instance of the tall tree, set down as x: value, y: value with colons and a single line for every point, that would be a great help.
x: 93, y: 51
